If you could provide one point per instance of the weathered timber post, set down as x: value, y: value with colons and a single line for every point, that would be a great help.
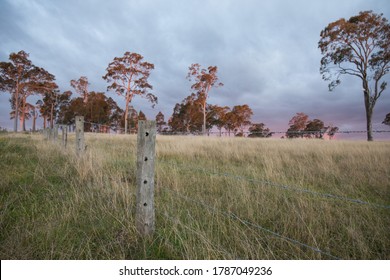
x: 146, y: 141
x: 46, y: 133
x: 50, y: 133
x: 64, y: 129
x: 55, y: 136
x: 80, y: 143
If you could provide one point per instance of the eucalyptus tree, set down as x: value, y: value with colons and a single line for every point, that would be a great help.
x: 204, y: 80
x: 297, y: 125
x: 160, y: 121
x: 259, y: 130
x: 21, y: 79
x: 128, y: 76
x: 359, y: 47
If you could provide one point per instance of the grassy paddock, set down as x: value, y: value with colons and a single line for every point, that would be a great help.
x: 54, y: 205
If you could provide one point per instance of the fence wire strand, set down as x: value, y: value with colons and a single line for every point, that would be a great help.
x: 270, y: 133
x: 273, y: 184
x: 233, y: 216
x: 265, y: 134
x: 247, y: 223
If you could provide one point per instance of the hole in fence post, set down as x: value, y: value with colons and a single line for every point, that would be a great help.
x: 145, y: 204
x: 146, y: 133
x: 146, y: 159
x: 145, y: 182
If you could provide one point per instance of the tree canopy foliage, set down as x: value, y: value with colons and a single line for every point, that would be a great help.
x: 387, y: 119
x: 301, y: 126
x: 21, y: 78
x: 160, y: 122
x: 188, y: 115
x: 98, y: 110
x: 259, y: 130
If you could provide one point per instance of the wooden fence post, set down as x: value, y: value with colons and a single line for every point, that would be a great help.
x: 80, y: 143
x: 55, y: 136
x: 64, y: 129
x: 146, y: 141
x: 46, y: 133
x: 50, y: 134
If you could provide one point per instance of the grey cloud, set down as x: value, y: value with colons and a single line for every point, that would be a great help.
x: 266, y: 51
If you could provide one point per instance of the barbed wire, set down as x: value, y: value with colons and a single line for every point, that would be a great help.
x: 281, y: 186
x: 264, y: 133
x: 248, y: 223
x: 98, y: 124
x: 175, y: 221
x: 270, y: 133
x: 318, y: 131
x: 95, y: 125
x: 273, y: 184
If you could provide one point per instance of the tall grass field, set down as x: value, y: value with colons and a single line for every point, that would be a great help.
x: 215, y: 198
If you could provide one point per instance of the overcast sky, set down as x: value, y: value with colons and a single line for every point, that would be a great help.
x: 266, y: 51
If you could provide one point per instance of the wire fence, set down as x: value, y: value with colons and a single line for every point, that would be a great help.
x: 233, y: 216
x: 256, y: 181
x: 102, y: 128
x: 270, y: 133
x: 96, y: 127
x: 272, y: 184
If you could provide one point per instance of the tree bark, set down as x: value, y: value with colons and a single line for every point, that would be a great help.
x: 369, y: 111
x: 23, y: 117
x: 51, y: 115
x: 204, y: 119
x: 16, y: 107
x: 126, y: 113
x: 23, y: 121
x: 34, y: 120
x: 204, y: 108
x: 369, y: 127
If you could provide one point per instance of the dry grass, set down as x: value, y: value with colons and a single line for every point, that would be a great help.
x: 55, y: 205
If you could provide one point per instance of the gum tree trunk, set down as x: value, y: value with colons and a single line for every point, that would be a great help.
x: 369, y: 110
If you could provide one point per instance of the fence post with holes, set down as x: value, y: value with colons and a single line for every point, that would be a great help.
x: 80, y: 144
x: 146, y: 142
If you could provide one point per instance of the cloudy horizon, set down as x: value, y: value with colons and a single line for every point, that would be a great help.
x: 266, y: 52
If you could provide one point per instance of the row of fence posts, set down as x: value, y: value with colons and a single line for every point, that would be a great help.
x: 52, y: 134
x: 146, y: 154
